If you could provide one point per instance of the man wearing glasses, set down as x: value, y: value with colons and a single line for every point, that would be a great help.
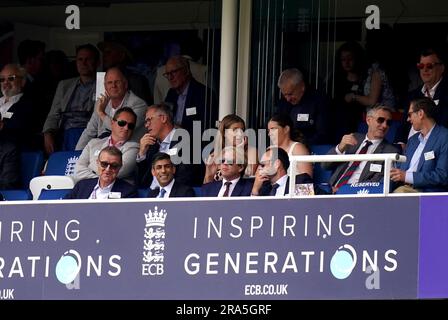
x: 123, y: 124
x: 116, y: 96
x: 16, y: 107
x: 106, y: 185
x: 233, y: 165
x: 435, y: 86
x: 426, y: 166
x: 191, y: 100
x: 378, y: 121
x: 162, y: 136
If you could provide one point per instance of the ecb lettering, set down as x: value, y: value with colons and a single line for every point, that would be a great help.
x: 152, y: 269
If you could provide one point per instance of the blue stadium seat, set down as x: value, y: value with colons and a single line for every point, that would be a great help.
x: 31, y: 166
x: 11, y: 195
x: 319, y: 174
x: 53, y: 194
x: 62, y: 163
x: 361, y: 188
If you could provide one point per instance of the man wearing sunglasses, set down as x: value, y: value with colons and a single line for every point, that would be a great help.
x: 378, y: 121
x: 431, y: 67
x: 233, y: 165
x: 116, y: 96
x: 426, y: 166
x: 107, y: 185
x: 16, y: 107
x: 123, y: 124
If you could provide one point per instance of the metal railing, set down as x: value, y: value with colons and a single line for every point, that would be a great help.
x: 388, y: 158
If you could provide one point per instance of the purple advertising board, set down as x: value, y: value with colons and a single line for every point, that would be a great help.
x: 288, y: 249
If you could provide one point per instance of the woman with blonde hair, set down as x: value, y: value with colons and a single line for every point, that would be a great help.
x: 230, y: 133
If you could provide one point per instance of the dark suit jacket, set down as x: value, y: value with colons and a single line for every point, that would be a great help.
x: 197, y: 97
x: 432, y: 174
x: 441, y: 117
x: 9, y: 166
x: 317, y: 107
x: 18, y: 128
x: 84, y: 188
x: 242, y: 189
x: 300, y: 179
x: 366, y: 175
x: 178, y: 190
x: 186, y: 173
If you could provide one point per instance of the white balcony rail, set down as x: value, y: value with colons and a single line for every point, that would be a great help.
x: 388, y: 158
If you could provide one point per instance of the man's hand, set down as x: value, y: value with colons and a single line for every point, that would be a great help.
x: 260, y: 177
x: 145, y: 142
x: 101, y: 103
x: 397, y: 175
x: 49, y: 142
x: 347, y: 140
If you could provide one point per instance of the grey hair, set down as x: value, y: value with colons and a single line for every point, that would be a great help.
x: 376, y: 107
x: 293, y: 75
x: 20, y: 70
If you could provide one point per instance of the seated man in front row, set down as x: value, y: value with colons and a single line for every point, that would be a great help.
x: 378, y: 121
x: 271, y: 178
x: 426, y: 166
x: 163, y: 170
x: 107, y: 185
x: 233, y: 165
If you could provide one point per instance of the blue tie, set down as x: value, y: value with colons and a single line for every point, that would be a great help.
x: 162, y: 193
x: 274, y: 189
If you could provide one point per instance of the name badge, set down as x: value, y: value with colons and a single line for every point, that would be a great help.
x: 355, y: 87
x: 114, y: 195
x: 7, y: 115
x: 376, y: 167
x: 303, y: 117
x: 96, y: 153
x: 190, y: 111
x: 436, y: 102
x: 429, y: 155
x: 171, y: 152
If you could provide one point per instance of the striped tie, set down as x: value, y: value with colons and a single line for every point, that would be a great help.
x: 349, y: 172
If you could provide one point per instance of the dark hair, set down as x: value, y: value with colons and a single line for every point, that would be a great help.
x: 125, y: 109
x: 280, y: 154
x: 425, y: 104
x: 359, y: 58
x: 113, y: 151
x: 284, y: 120
x: 92, y: 48
x: 160, y: 156
x: 164, y: 109
x: 438, y: 51
x: 29, y: 49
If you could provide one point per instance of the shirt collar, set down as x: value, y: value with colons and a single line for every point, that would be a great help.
x: 234, y: 181
x: 282, y: 181
x: 432, y: 91
x: 168, y: 187
x: 169, y: 137
x: 425, y: 138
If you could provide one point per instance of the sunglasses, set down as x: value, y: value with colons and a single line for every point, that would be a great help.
x: 429, y: 65
x: 113, y: 165
x: 9, y: 78
x: 381, y: 120
x: 123, y: 123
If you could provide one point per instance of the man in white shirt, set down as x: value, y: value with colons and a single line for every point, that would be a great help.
x: 271, y: 178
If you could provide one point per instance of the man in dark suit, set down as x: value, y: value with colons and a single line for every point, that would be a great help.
x: 435, y: 86
x: 308, y: 110
x: 163, y: 170
x: 107, y: 185
x: 271, y: 178
x: 9, y: 163
x: 191, y: 100
x: 233, y: 165
x: 378, y: 121
x: 16, y: 108
x: 426, y: 166
x: 163, y: 137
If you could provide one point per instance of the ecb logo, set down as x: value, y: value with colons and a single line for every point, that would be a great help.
x: 154, y: 243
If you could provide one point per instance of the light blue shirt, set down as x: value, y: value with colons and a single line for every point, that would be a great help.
x: 413, y: 165
x: 181, y: 105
